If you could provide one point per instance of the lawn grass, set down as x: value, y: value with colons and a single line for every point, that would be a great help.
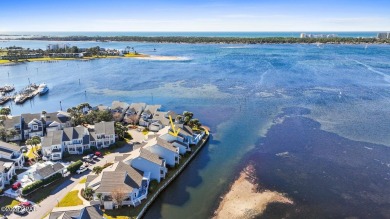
x: 132, y: 55
x: 83, y: 180
x: 120, y: 213
x: 44, y: 192
x: 71, y: 199
x: 4, y: 61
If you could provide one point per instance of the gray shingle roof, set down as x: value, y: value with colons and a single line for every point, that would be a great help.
x: 185, y: 129
x: 165, y: 144
x: 124, y: 177
x: 28, y: 117
x: 90, y: 212
x: 56, y: 117
x: 49, y: 170
x: 150, y: 156
x: 10, y: 123
x: 105, y: 127
x: 7, y: 148
x: 65, y: 214
x: 52, y: 138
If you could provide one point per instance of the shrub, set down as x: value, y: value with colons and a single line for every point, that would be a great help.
x: 35, y: 185
x: 107, y: 165
x: 153, y: 185
x: 72, y: 168
x: 66, y: 154
x: 93, y: 148
x: 1, y: 191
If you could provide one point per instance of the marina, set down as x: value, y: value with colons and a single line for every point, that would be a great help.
x: 27, y: 93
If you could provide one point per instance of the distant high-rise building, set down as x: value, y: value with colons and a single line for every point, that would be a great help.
x: 57, y: 46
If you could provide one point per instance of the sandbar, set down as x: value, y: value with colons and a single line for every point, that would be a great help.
x: 244, y: 199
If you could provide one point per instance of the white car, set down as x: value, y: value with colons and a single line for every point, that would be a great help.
x: 82, y: 169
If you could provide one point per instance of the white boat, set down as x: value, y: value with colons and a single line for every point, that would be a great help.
x: 42, y: 89
x: 18, y: 98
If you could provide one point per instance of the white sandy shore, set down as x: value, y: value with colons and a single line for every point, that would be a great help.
x: 243, y: 200
x: 163, y: 58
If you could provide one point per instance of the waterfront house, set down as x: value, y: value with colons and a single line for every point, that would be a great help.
x: 12, y: 152
x: 14, y: 122
x: 188, y: 135
x: 147, y: 161
x: 52, y: 147
x: 45, y: 170
x: 75, y: 140
x: 178, y: 142
x: 103, y: 135
x: 165, y: 150
x: 134, y: 112
x: 56, y: 121
x: 123, y: 178
x: 77, y: 212
x: 147, y: 115
x: 10, y: 159
x: 160, y: 120
x: 32, y: 125
x: 7, y: 171
x: 118, y: 110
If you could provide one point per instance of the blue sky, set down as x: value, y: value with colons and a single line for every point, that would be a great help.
x: 190, y: 15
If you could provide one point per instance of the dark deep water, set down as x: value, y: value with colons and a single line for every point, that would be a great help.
x: 326, y: 175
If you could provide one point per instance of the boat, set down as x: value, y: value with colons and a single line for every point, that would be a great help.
x: 43, y: 88
x: 7, y: 88
x: 4, y: 100
x: 18, y: 98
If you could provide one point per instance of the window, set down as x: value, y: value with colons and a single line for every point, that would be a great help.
x: 35, y: 127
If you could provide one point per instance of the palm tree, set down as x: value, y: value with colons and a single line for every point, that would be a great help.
x: 99, y: 195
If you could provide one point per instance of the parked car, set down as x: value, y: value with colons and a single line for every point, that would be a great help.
x: 82, y: 169
x: 16, y: 186
x: 25, y: 204
x: 19, y: 210
x: 98, y: 154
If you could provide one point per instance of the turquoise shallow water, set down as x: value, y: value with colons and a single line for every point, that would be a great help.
x: 237, y: 90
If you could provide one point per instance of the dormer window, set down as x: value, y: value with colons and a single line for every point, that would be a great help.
x: 35, y: 127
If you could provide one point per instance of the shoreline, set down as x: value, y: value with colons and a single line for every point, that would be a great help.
x: 215, y: 40
x: 140, y: 56
x: 244, y: 199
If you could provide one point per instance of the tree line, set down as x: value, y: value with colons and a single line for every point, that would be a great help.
x: 226, y: 40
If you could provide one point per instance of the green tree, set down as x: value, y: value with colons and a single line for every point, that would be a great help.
x: 5, y: 111
x: 120, y: 130
x: 88, y: 193
x: 97, y: 170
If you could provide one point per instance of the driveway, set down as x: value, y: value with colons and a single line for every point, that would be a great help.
x: 64, y: 188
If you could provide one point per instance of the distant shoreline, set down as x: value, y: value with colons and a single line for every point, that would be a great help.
x: 215, y: 40
x: 140, y: 56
